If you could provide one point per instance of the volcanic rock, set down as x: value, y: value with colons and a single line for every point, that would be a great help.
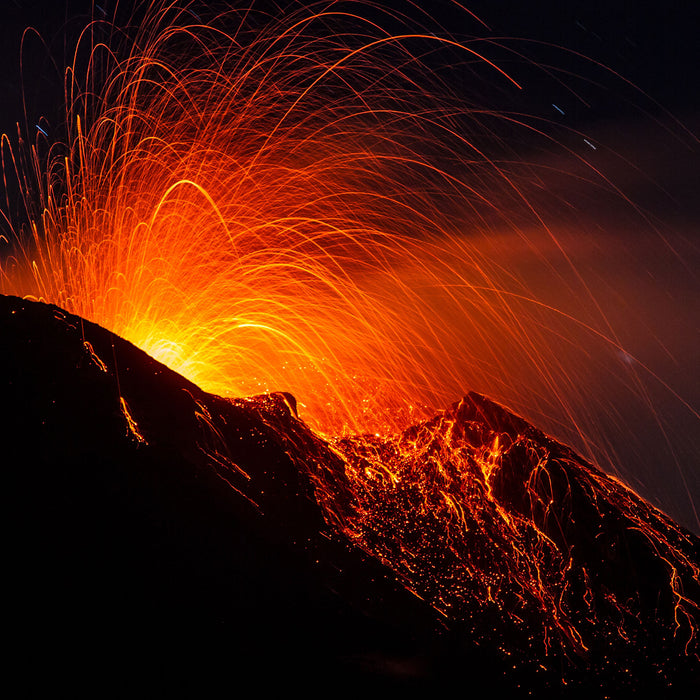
x: 166, y: 538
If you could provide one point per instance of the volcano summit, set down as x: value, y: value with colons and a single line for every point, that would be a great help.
x: 170, y: 538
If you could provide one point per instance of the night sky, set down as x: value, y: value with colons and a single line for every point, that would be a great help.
x: 652, y: 121
x: 653, y: 45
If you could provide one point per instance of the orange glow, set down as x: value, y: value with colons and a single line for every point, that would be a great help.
x: 290, y: 205
x: 249, y: 231
x: 237, y: 223
x: 305, y: 204
x: 303, y: 209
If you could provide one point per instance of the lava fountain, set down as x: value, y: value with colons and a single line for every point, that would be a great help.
x: 308, y: 202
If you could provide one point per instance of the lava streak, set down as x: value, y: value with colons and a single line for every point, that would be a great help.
x: 516, y: 525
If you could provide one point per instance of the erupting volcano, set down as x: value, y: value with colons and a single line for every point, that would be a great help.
x: 250, y: 296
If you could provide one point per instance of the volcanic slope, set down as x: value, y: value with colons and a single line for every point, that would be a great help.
x: 170, y: 538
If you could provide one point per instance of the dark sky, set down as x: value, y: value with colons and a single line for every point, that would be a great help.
x: 654, y: 46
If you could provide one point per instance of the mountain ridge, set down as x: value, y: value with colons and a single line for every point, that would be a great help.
x: 183, y: 516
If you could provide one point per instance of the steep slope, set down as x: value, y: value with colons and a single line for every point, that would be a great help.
x: 164, y: 536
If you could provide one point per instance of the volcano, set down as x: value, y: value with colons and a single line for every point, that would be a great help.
x: 165, y: 539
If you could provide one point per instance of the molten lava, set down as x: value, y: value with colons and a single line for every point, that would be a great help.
x: 307, y: 205
x: 510, y: 518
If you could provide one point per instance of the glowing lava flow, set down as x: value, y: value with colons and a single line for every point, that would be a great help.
x: 518, y: 526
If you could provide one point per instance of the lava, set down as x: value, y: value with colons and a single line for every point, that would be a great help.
x: 497, y: 508
x: 305, y: 203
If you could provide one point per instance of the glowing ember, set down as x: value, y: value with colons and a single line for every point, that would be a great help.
x: 509, y: 518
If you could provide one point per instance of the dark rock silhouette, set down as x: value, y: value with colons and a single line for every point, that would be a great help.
x: 168, y: 539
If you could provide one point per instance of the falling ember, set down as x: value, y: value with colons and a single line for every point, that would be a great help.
x: 305, y: 204
x: 132, y: 425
